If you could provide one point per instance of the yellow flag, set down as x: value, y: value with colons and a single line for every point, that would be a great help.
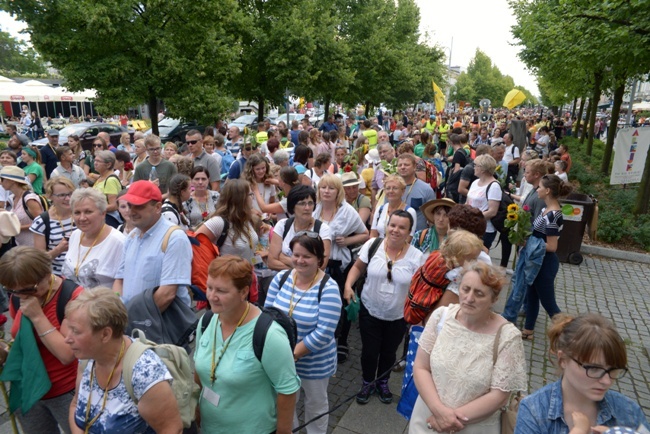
x: 438, y: 97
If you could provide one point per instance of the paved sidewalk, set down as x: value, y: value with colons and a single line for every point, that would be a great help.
x: 617, y: 289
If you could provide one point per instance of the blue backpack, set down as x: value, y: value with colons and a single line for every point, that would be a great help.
x: 226, y: 160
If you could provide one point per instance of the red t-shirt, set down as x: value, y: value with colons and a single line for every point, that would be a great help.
x: 63, y: 377
x: 566, y: 158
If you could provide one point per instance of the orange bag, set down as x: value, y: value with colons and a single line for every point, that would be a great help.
x: 427, y: 286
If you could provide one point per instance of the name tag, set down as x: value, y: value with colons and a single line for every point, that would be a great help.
x: 211, y: 396
x: 387, y: 288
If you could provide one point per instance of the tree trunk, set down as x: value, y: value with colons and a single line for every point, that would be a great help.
x: 573, y: 107
x: 260, y: 110
x: 367, y: 110
x: 611, y: 131
x: 598, y: 79
x: 153, y: 112
x: 643, y: 194
x: 584, y: 126
x: 327, y: 109
x: 576, y: 127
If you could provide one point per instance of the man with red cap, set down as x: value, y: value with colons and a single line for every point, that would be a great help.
x: 144, y: 264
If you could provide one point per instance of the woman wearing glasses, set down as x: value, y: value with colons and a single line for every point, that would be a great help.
x: 88, y: 165
x: 591, y: 356
x: 52, y: 231
x: 301, y: 202
x: 394, y: 188
x: 312, y: 299
x: 381, y: 316
x: 26, y: 273
x: 234, y: 215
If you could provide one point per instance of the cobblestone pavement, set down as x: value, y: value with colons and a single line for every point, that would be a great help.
x: 619, y: 290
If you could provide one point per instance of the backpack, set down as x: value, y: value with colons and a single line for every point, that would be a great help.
x: 270, y: 314
x: 427, y: 286
x: 226, y: 161
x: 433, y: 177
x: 45, y: 216
x: 45, y: 204
x: 358, y: 285
x: 289, y: 223
x: 67, y: 289
x: 498, y: 221
x: 185, y: 389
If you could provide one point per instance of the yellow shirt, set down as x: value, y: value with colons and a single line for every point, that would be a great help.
x: 372, y: 137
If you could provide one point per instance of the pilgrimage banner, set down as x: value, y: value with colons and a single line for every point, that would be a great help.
x: 630, y: 152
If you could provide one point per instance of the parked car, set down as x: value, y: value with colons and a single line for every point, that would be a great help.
x: 174, y: 130
x: 87, y: 131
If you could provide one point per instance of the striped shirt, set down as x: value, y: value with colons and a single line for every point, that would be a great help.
x: 57, y: 232
x: 549, y: 224
x: 316, y: 323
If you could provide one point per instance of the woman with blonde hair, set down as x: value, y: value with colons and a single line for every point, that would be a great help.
x: 394, y: 188
x: 231, y: 226
x: 591, y: 356
x: 169, y: 150
x: 258, y: 173
x: 469, y: 360
x: 102, y: 403
x: 52, y: 231
x: 485, y: 194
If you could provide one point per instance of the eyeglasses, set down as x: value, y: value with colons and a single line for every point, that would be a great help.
x: 153, y: 149
x: 64, y: 195
x: 248, y: 148
x: 599, y: 372
x: 389, y: 275
x: 192, y: 142
x: 310, y: 234
x: 24, y: 291
x: 97, y: 145
x: 392, y: 188
x: 303, y: 203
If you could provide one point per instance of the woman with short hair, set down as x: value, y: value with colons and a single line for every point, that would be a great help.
x: 394, y: 188
x: 485, y: 194
x: 102, y: 403
x: 109, y: 184
x: 257, y: 395
x: 51, y: 232
x: 95, y: 249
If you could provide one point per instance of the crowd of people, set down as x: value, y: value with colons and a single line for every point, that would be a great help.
x: 314, y: 224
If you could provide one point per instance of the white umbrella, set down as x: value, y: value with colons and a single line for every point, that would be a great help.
x: 645, y: 105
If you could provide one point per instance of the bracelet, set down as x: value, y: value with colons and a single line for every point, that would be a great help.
x: 47, y: 332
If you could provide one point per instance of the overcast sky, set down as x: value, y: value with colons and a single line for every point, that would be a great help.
x: 476, y: 24
x: 472, y: 23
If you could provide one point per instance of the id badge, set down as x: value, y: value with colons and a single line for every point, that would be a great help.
x: 211, y: 396
x: 257, y: 259
x: 387, y: 288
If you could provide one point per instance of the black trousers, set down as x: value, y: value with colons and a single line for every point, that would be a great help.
x: 334, y: 269
x: 379, y: 342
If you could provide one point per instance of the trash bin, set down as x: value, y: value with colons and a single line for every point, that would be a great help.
x: 577, y: 210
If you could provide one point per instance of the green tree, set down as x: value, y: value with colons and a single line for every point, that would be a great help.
x: 17, y: 57
x: 134, y: 52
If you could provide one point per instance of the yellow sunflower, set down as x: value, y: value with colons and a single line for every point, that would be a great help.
x: 512, y: 216
x: 513, y: 207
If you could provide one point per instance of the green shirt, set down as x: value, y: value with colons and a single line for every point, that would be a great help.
x: 35, y: 169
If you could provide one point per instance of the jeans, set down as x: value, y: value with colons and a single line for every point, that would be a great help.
x: 379, y: 342
x: 543, y: 290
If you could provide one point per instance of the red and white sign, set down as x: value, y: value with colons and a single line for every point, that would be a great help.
x: 66, y: 98
x: 17, y: 98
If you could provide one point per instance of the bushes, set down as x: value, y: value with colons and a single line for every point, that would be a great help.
x: 616, y: 221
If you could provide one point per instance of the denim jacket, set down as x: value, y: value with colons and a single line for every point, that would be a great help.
x: 543, y: 412
x: 528, y: 266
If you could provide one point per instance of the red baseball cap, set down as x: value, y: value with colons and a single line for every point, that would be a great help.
x: 141, y: 192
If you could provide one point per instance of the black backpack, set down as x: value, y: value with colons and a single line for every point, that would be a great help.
x: 289, y: 223
x: 358, y: 285
x: 67, y: 289
x: 498, y: 221
x: 270, y: 314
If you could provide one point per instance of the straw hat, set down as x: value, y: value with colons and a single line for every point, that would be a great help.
x: 13, y: 173
x: 429, y: 208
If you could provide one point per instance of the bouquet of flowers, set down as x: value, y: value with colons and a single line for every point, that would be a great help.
x: 349, y: 164
x: 389, y: 168
x: 519, y: 223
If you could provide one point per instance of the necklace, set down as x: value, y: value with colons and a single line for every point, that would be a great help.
x: 49, y: 291
x: 105, y: 390
x: 215, y: 364
x: 396, y: 257
x: 81, y: 261
x: 56, y: 215
x: 293, y: 291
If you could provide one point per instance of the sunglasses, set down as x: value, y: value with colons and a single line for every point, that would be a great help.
x: 248, y: 148
x: 192, y: 142
x: 24, y: 291
x: 310, y: 234
x: 97, y: 145
x: 389, y: 275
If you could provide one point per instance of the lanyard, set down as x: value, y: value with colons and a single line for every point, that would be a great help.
x: 80, y: 261
x: 215, y: 364
x: 293, y: 291
x: 108, y: 383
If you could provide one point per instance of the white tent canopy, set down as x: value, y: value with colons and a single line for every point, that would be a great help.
x: 645, y: 105
x: 36, y: 91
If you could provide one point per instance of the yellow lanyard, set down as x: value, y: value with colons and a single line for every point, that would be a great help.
x: 410, y: 190
x: 108, y: 383
x: 293, y: 291
x: 81, y: 261
x: 215, y: 364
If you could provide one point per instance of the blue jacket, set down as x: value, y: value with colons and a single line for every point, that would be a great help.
x: 528, y: 265
x: 543, y: 412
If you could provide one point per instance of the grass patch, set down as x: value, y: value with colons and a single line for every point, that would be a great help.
x: 616, y: 222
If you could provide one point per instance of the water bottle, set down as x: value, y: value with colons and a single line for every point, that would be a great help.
x: 264, y: 241
x: 153, y: 175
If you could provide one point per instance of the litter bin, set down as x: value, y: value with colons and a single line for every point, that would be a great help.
x: 577, y: 210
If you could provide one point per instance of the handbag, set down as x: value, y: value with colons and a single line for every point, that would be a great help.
x: 508, y: 411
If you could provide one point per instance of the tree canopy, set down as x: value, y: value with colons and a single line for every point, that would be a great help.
x: 17, y: 58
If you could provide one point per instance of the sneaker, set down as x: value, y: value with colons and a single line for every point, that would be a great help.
x: 385, y: 395
x: 342, y: 353
x: 364, y: 394
x: 510, y: 271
